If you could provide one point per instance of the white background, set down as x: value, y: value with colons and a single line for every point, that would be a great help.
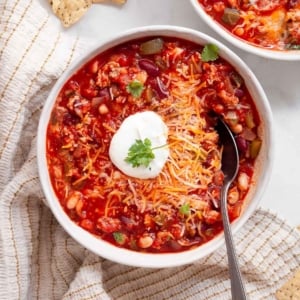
x: 280, y: 80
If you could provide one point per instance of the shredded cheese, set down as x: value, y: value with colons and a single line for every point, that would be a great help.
x: 190, y: 166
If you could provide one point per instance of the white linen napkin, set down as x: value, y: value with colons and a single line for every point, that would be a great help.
x: 38, y: 260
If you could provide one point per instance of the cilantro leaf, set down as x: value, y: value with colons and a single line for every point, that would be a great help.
x: 185, y: 209
x: 140, y: 153
x: 293, y: 47
x: 119, y: 237
x: 210, y: 53
x: 135, y: 88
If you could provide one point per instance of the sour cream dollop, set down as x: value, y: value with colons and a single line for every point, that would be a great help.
x: 140, y: 126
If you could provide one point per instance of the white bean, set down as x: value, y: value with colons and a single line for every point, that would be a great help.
x: 243, y: 182
x: 233, y: 196
x: 145, y: 241
x: 73, y: 199
x: 237, y: 128
x: 103, y: 109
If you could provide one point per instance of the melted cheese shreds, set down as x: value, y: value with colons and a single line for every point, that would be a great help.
x: 273, y: 25
x: 140, y: 126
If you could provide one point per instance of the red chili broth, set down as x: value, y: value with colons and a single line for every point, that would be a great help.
x: 127, y: 219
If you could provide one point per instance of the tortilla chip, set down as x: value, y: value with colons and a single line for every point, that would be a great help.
x: 70, y: 11
x: 291, y: 289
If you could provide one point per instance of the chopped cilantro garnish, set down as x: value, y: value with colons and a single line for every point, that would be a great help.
x: 119, y: 237
x: 185, y: 209
x: 210, y: 53
x: 140, y: 153
x: 293, y: 47
x: 135, y: 88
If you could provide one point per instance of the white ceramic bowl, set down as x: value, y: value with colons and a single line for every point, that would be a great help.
x: 291, y: 55
x: 263, y: 168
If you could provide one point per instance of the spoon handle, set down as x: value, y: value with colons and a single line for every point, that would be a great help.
x: 237, y: 286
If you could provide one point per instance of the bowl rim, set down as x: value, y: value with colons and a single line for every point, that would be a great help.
x: 288, y: 55
x: 100, y: 247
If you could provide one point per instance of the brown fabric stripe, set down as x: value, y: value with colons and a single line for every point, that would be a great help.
x: 252, y: 229
x: 267, y: 227
x: 17, y: 25
x: 81, y: 289
x: 186, y: 282
x: 5, y: 22
x: 90, y: 285
x: 149, y: 274
x: 15, y: 251
x: 204, y: 263
x: 95, y: 296
x: 171, y: 286
x: 70, y: 253
x: 37, y: 262
x: 6, y: 86
x: 281, y: 277
x: 53, y: 275
x: 2, y: 21
x: 50, y: 54
x: 54, y: 258
x: 11, y: 228
x: 188, y: 278
x: 31, y: 259
x: 26, y: 52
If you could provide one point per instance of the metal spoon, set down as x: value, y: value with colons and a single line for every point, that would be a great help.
x: 230, y: 162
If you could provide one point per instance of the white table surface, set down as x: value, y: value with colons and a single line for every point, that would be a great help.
x: 280, y: 80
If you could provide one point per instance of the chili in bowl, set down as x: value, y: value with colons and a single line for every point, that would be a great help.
x: 128, y: 155
x: 266, y: 28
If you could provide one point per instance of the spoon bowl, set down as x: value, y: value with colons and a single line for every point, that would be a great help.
x: 230, y: 163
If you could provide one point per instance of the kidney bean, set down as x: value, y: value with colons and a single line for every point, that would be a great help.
x: 70, y: 119
x: 104, y: 93
x: 241, y: 144
x: 150, y: 67
x: 292, y: 3
x: 162, y: 90
x: 103, y: 96
x: 158, y: 88
x: 239, y: 93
